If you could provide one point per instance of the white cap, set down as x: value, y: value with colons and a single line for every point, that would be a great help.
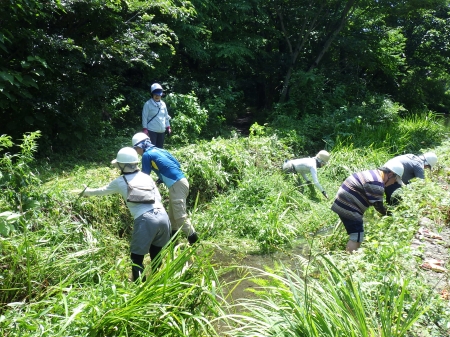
x: 155, y: 86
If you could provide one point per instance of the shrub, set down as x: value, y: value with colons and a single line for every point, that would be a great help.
x: 188, y: 118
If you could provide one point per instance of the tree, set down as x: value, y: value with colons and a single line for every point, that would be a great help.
x: 64, y: 67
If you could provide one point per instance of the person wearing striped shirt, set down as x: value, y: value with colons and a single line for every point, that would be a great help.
x: 360, y: 191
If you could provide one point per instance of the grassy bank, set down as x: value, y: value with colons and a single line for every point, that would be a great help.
x: 65, y: 267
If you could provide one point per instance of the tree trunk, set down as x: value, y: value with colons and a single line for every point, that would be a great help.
x: 302, y: 38
x: 348, y: 10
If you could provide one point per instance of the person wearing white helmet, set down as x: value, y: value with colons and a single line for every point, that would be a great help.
x: 415, y: 166
x: 155, y: 117
x: 360, y: 191
x: 151, y: 230
x: 169, y: 172
x: 308, y: 165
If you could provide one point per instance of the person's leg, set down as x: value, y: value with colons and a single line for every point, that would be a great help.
x: 352, y: 246
x: 178, y: 193
x: 355, y: 230
x: 145, y: 231
x: 174, y: 226
x: 156, y: 260
x: 354, y: 241
x: 137, y: 268
x: 160, y: 140
x: 153, y: 137
x: 162, y: 237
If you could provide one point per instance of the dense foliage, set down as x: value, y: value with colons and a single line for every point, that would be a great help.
x: 362, y: 79
x: 64, y: 259
x: 76, y: 69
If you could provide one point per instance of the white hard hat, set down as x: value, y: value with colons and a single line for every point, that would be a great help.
x: 155, y: 86
x: 138, y: 137
x: 430, y: 158
x: 323, y: 156
x: 395, y: 166
x: 126, y: 155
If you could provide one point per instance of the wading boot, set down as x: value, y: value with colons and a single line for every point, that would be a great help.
x: 193, y: 238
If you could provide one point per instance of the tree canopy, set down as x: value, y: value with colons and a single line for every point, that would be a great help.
x: 76, y: 68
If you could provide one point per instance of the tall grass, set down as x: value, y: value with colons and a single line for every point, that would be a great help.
x: 65, y: 265
x: 336, y: 304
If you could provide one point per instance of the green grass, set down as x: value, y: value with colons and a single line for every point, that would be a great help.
x: 65, y: 265
x: 338, y: 303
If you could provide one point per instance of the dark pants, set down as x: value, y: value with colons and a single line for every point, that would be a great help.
x: 389, y: 191
x: 137, y: 260
x: 157, y: 138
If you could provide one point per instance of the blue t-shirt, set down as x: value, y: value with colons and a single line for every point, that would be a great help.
x: 166, y: 167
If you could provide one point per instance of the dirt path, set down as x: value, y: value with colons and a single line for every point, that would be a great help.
x: 431, y: 243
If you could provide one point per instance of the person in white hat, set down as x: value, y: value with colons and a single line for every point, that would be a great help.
x: 415, y: 166
x: 360, y: 191
x: 169, y: 172
x: 155, y: 117
x: 308, y: 165
x: 151, y: 230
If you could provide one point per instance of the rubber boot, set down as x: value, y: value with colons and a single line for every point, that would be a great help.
x: 137, y: 268
x: 193, y: 238
x: 137, y: 272
x: 156, y: 260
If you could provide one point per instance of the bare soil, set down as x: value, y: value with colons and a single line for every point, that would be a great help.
x: 431, y: 243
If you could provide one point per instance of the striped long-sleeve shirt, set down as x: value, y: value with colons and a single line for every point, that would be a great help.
x: 357, y: 193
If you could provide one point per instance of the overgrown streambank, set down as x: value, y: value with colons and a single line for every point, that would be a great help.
x: 65, y: 263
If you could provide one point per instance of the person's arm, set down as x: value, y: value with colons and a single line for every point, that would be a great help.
x: 313, y: 171
x: 146, y: 163
x: 167, y: 120
x: 111, y: 188
x: 145, y: 119
x: 379, y: 206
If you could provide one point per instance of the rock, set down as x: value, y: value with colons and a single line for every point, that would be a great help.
x: 425, y: 222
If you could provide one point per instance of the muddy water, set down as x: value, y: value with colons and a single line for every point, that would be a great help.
x: 238, y: 269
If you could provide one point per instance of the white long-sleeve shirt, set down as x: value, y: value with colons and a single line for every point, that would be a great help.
x: 119, y: 186
x: 304, y: 166
x: 155, y: 116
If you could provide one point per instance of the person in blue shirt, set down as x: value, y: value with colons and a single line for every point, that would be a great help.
x: 168, y: 170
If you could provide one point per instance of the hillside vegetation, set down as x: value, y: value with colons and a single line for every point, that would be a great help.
x: 65, y: 263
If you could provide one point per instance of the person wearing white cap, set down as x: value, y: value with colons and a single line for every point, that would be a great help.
x: 308, y: 165
x: 169, y: 172
x: 415, y: 166
x: 151, y: 230
x: 155, y: 117
x: 360, y: 191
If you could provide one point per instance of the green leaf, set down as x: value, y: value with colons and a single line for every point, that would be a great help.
x: 29, y: 120
x: 18, y: 77
x: 9, y: 216
x: 7, y: 77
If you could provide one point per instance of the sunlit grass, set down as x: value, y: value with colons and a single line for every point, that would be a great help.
x: 67, y: 274
x: 332, y: 303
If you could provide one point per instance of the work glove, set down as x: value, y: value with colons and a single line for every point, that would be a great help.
x: 144, y: 130
x: 325, y: 194
x: 168, y: 131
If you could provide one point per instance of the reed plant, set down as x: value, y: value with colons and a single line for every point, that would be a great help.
x: 332, y: 302
x: 64, y: 262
